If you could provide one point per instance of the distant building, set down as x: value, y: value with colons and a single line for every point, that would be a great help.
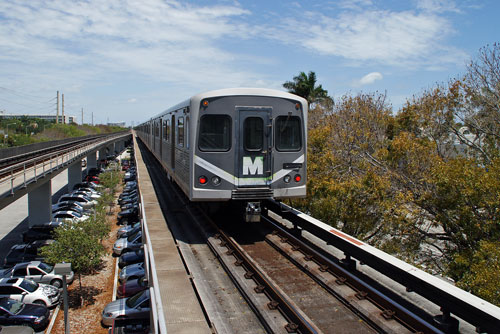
x: 120, y: 124
x: 68, y: 119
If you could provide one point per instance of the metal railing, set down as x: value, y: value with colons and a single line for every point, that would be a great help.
x: 20, y: 175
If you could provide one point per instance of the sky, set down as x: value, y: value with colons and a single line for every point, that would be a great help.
x: 128, y: 60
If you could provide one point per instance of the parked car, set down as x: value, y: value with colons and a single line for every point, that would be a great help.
x: 128, y: 214
x: 132, y: 242
x: 129, y: 205
x: 86, y: 185
x: 13, y: 312
x: 131, y: 257
x: 131, y: 287
x: 127, y: 200
x: 92, y: 195
x: 76, y: 206
x: 36, y: 271
x: 40, y: 231
x: 135, y: 307
x: 126, y: 228
x: 130, y: 272
x: 69, y: 214
x: 26, y: 252
x: 129, y: 326
x: 85, y: 201
x: 127, y: 194
x: 27, y: 291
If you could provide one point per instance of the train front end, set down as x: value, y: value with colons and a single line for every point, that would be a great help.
x: 250, y: 145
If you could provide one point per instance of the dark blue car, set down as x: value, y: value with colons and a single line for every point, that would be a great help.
x: 13, y: 312
x: 131, y: 258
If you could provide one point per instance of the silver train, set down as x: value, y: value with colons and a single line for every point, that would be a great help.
x: 237, y: 144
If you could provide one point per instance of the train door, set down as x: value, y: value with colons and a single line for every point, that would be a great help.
x: 173, y: 143
x: 254, y: 147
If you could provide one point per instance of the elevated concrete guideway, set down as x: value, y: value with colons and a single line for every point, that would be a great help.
x: 33, y: 176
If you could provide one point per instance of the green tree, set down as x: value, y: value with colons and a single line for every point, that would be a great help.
x: 304, y: 85
x: 74, y: 244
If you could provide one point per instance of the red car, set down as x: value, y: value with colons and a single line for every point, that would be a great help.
x: 132, y: 287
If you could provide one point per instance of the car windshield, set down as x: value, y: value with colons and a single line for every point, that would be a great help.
x: 45, y: 267
x: 29, y: 285
x: 11, y: 305
x: 132, y: 236
x: 136, y: 299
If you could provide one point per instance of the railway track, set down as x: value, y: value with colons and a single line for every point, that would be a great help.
x: 283, y: 278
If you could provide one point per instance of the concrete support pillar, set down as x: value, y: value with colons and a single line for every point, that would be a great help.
x: 40, y: 204
x: 102, y: 153
x: 74, y: 175
x: 92, y: 160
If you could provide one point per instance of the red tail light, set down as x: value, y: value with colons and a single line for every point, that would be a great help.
x: 297, y: 178
x: 202, y: 179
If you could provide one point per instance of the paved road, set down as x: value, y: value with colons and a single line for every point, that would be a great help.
x: 14, y: 218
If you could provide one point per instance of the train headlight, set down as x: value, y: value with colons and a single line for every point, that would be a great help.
x: 287, y: 178
x: 202, y: 179
x: 215, y: 180
x: 297, y: 178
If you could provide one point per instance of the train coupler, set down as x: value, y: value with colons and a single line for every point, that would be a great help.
x: 252, y: 212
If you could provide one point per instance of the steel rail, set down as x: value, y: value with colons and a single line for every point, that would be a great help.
x: 452, y: 300
x: 297, y: 322
x: 390, y: 309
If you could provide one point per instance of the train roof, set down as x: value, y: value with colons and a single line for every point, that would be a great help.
x: 233, y: 92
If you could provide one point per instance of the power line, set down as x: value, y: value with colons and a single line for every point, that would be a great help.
x: 25, y: 95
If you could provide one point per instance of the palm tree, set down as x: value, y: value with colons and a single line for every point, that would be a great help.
x: 305, y: 85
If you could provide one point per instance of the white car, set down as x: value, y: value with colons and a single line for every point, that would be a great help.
x: 27, y: 291
x: 92, y: 195
x: 85, y: 201
x: 73, y: 215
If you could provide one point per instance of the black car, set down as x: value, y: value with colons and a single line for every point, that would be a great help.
x: 128, y: 213
x: 40, y: 231
x: 130, y: 326
x: 130, y: 206
x: 131, y: 258
x: 128, y: 194
x: 13, y: 312
x: 26, y: 252
x: 127, y: 200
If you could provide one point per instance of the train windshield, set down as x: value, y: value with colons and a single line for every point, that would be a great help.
x: 288, y: 137
x: 215, y: 133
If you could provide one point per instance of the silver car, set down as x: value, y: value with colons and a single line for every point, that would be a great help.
x: 132, y: 242
x: 135, y: 307
x: 37, y: 271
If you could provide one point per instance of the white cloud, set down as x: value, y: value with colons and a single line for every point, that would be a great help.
x: 370, y: 78
x: 132, y: 100
x: 396, y: 38
x: 438, y: 6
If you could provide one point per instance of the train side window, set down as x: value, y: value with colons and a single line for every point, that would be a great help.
x: 215, y: 133
x: 253, y: 133
x: 180, y: 131
x: 287, y: 133
x: 167, y: 131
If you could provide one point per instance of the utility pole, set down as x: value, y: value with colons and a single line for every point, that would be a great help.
x: 82, y: 116
x: 57, y: 116
x: 63, y: 120
x: 92, y: 118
